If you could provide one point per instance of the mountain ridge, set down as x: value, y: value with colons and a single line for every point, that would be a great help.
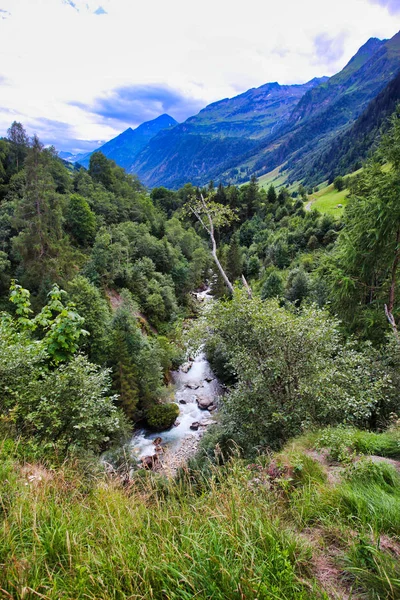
x: 124, y: 147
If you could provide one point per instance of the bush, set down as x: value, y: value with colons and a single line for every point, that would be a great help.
x: 71, y: 407
x: 162, y: 416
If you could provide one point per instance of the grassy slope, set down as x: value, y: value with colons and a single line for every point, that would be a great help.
x: 327, y: 200
x: 286, y: 527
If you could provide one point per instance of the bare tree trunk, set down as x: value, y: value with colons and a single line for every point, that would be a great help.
x: 210, y: 231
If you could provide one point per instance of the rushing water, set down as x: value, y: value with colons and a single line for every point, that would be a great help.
x: 198, y: 382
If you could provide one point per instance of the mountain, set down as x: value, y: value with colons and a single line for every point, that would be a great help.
x: 124, y: 148
x: 220, y: 132
x: 268, y: 127
x: 347, y: 152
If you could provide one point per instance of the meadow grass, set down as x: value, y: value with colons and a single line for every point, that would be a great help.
x: 246, y: 531
x: 327, y: 200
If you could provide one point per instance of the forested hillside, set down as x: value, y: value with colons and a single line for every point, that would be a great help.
x: 124, y: 269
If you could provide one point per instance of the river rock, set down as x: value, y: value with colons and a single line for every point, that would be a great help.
x: 177, y: 423
x: 182, y: 401
x: 204, y: 403
x: 209, y: 379
x: 157, y: 441
x: 149, y: 462
x: 192, y: 386
x: 212, y: 407
x: 186, y: 367
x: 194, y: 426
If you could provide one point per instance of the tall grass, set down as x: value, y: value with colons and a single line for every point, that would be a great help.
x: 60, y: 539
x: 234, y: 532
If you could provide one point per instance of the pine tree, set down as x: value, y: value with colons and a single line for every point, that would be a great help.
x: 271, y: 194
x: 41, y: 244
x: 19, y: 141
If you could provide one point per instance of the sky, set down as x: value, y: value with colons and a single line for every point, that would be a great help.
x: 78, y: 72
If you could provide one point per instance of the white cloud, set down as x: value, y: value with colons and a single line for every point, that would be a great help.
x: 57, y: 54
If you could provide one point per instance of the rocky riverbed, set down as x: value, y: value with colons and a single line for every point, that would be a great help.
x: 196, y: 394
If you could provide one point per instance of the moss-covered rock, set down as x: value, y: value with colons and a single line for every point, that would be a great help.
x: 162, y: 416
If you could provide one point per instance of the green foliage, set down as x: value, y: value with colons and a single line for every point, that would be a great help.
x: 80, y: 220
x: 364, y: 263
x: 292, y: 369
x: 62, y: 407
x: 94, y: 309
x: 71, y: 407
x: 298, y: 286
x: 273, y: 286
x: 342, y: 442
x: 339, y: 183
x: 162, y: 416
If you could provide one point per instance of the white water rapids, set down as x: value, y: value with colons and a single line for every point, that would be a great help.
x: 198, y: 382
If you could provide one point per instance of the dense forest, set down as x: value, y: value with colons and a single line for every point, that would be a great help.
x: 97, y: 289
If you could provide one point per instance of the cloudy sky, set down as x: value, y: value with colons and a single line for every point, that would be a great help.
x: 78, y: 72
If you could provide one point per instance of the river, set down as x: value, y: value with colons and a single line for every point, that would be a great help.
x: 194, y: 384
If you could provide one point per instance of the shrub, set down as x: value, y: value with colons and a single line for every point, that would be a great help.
x: 162, y: 416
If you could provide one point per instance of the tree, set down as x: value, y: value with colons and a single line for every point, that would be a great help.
x: 48, y: 391
x: 298, y: 286
x: 100, y: 169
x: 338, y: 183
x: 271, y: 194
x: 273, y: 286
x: 41, y: 244
x: 234, y: 260
x: 292, y: 370
x: 81, y: 221
x: 93, y: 307
x: 19, y: 143
x: 363, y: 269
x: 72, y: 407
x: 212, y: 215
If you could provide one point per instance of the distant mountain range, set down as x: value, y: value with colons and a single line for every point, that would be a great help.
x: 124, y: 148
x: 292, y: 127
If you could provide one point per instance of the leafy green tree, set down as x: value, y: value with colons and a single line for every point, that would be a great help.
x: 271, y: 195
x: 58, y: 323
x: 363, y: 268
x: 41, y: 245
x: 298, y: 286
x: 58, y: 404
x: 292, y: 371
x: 80, y: 220
x: 100, y: 170
x: 93, y: 307
x: 273, y: 286
x: 71, y: 407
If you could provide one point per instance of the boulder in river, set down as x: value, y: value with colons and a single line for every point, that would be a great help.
x: 149, y: 462
x: 182, y: 401
x: 194, y: 426
x: 209, y: 379
x: 192, y: 386
x: 186, y: 367
x: 157, y: 441
x: 204, y: 403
